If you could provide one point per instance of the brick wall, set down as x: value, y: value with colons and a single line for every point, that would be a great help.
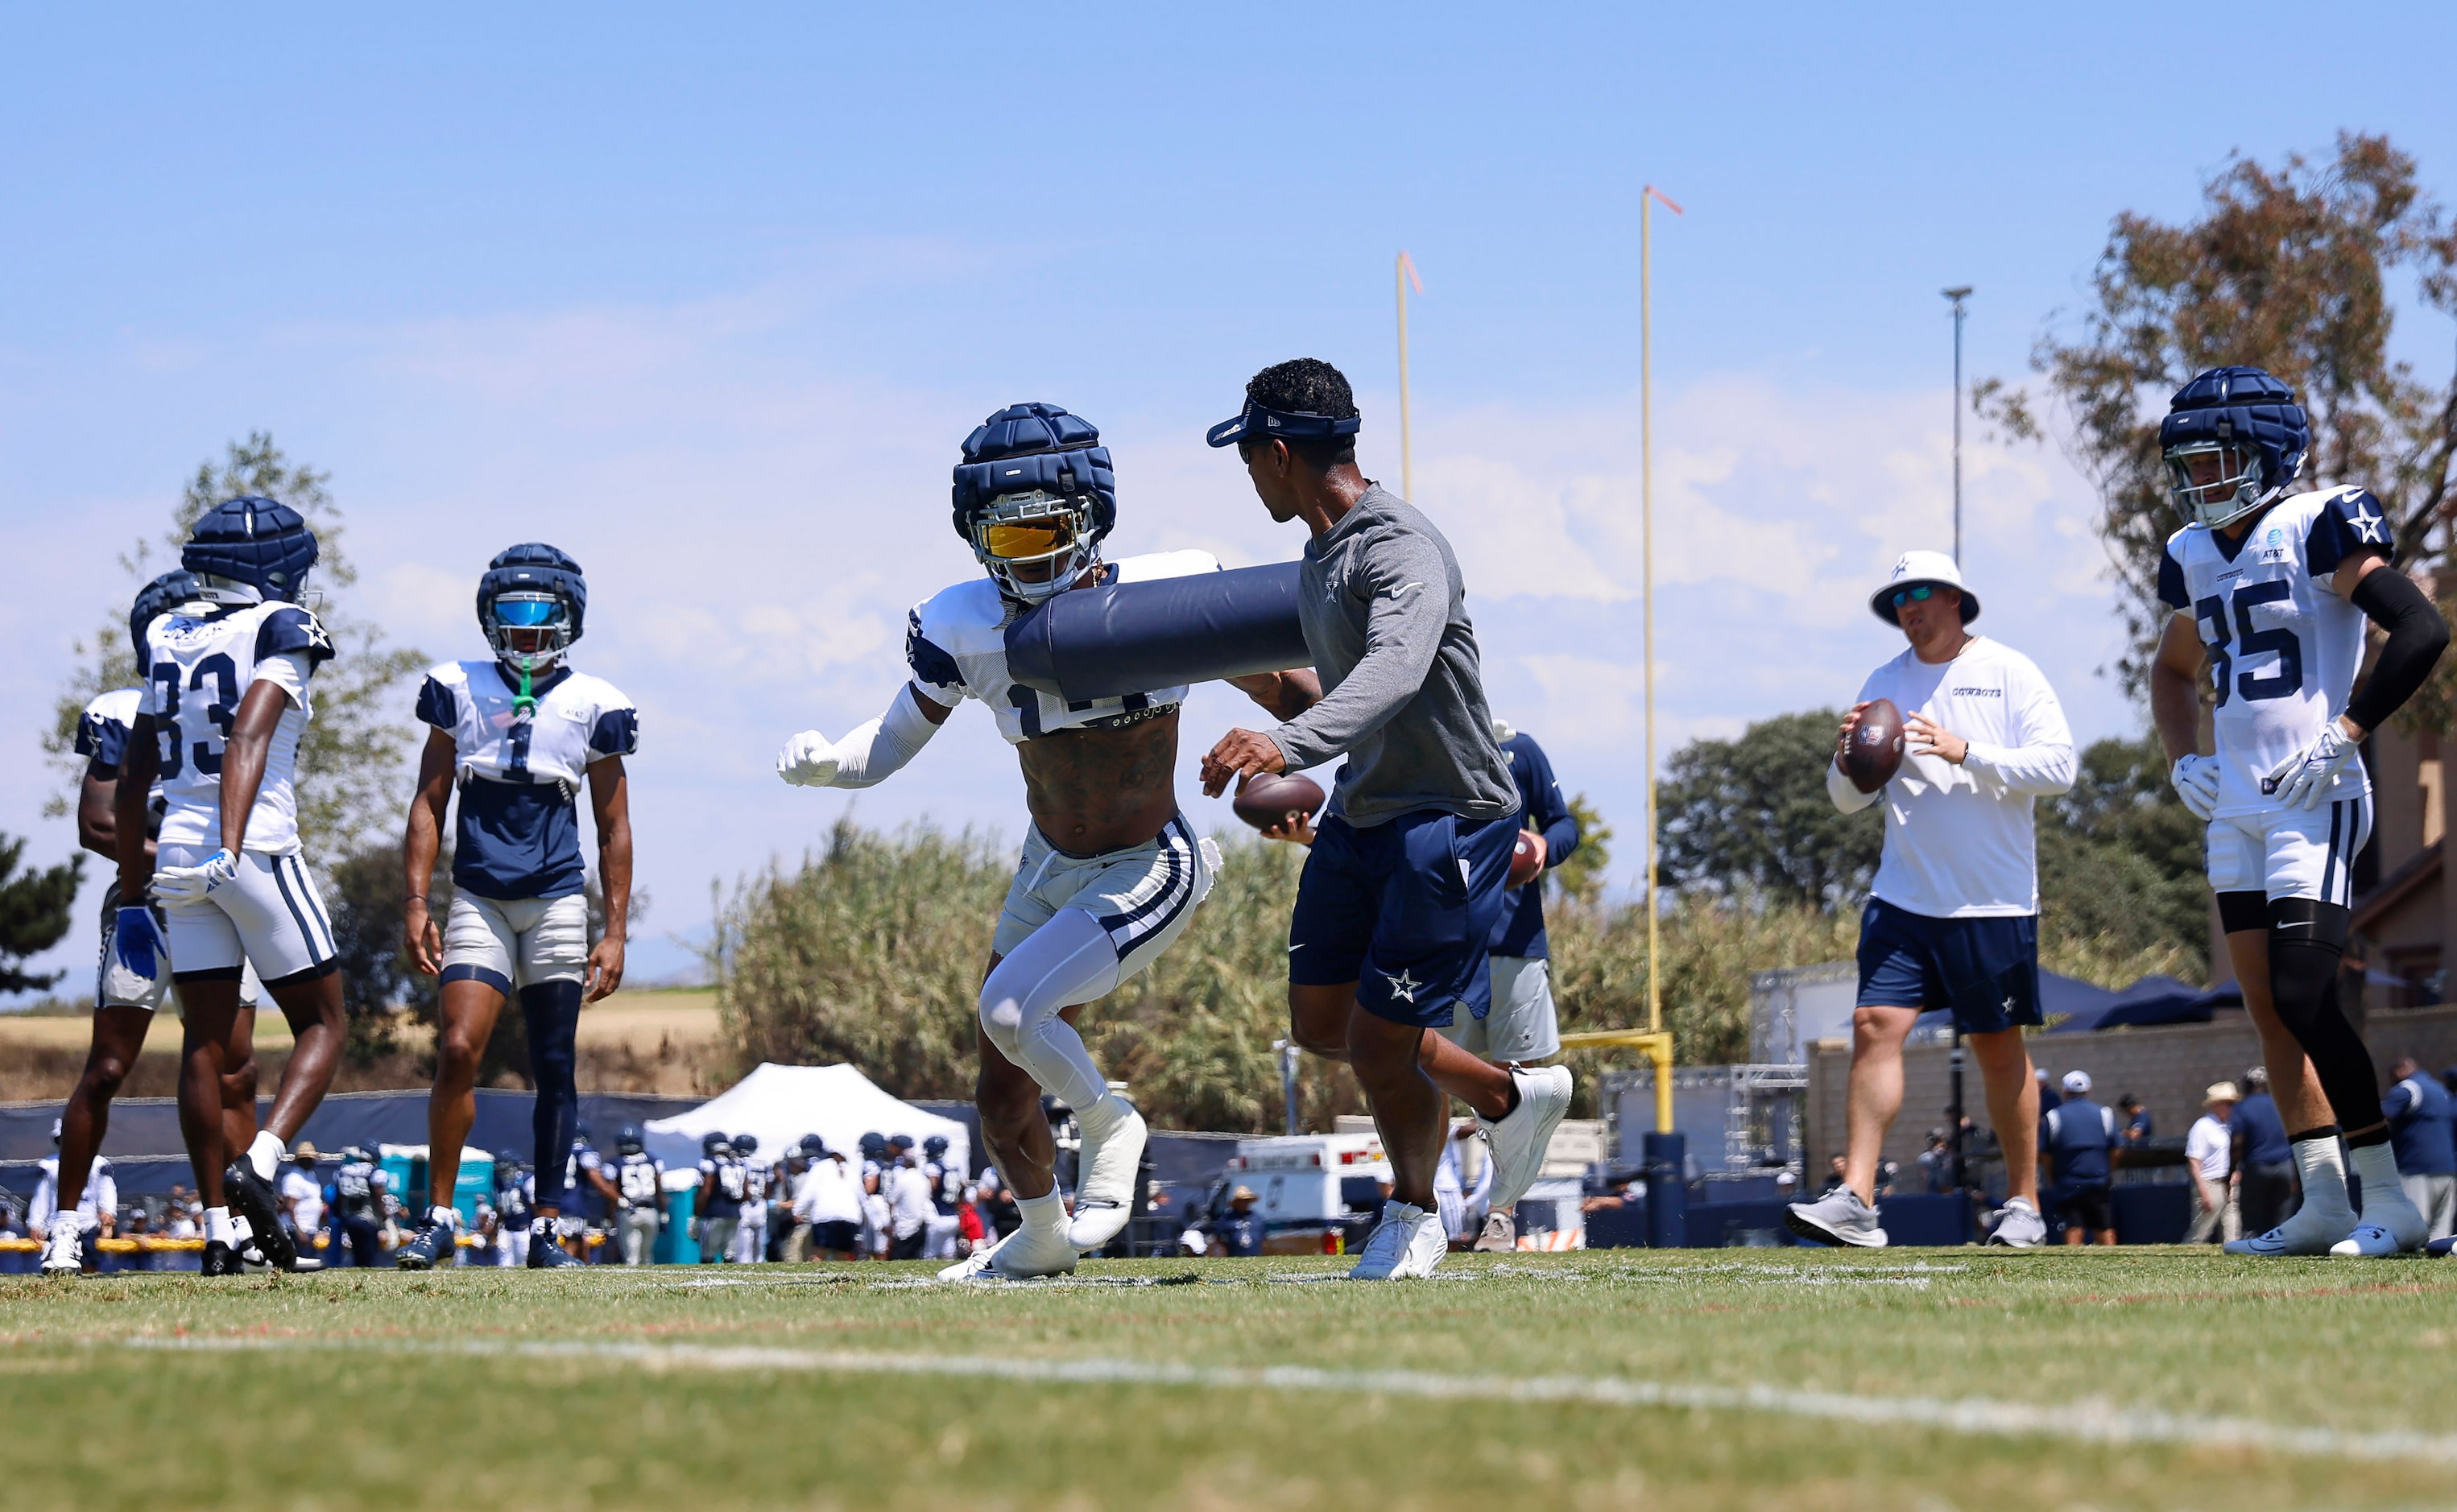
x: 2168, y: 1069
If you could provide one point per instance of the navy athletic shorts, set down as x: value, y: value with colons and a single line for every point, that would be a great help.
x: 1404, y: 909
x: 1986, y: 969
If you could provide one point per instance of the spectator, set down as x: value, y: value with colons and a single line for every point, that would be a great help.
x: 827, y: 1206
x: 2422, y: 1127
x: 999, y: 1214
x: 2208, y: 1153
x: 909, y: 1207
x: 1461, y: 1201
x: 2138, y: 1127
x: 2079, y: 1138
x: 1835, y: 1175
x: 969, y: 1229
x: 303, y: 1197
x: 1241, y: 1232
x: 1935, y: 1164
x: 2264, y: 1160
x: 13, y: 1226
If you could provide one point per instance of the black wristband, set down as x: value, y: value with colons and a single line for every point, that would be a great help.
x: 2417, y: 635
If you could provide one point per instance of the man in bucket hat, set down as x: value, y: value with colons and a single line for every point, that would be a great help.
x: 1952, y: 919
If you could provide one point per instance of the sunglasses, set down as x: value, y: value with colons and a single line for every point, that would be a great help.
x: 1919, y: 595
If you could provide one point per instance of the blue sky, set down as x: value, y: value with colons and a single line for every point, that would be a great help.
x: 709, y: 302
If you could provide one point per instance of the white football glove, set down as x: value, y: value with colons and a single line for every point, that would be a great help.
x: 809, y: 760
x: 195, y: 884
x: 2196, y: 783
x: 2303, y: 782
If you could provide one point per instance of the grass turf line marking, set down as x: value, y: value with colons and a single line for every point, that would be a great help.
x: 2093, y: 1421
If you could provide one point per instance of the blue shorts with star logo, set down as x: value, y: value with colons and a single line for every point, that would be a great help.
x: 1405, y: 909
x: 1986, y: 969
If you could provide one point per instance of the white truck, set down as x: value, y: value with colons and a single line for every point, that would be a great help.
x: 1312, y: 1191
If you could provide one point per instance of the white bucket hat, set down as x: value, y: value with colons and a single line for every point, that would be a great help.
x: 1915, y: 567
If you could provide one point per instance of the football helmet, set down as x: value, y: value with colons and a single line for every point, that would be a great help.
x: 2248, y: 424
x: 627, y: 1142
x: 713, y: 1144
x: 1034, y: 497
x: 157, y: 598
x: 507, y: 1164
x: 874, y: 1146
x: 247, y: 550
x: 746, y: 1144
x: 935, y: 1146
x: 531, y: 605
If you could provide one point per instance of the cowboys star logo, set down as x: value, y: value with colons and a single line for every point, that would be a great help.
x: 1403, y: 986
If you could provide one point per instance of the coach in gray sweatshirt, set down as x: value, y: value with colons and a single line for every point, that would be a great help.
x: 1404, y: 882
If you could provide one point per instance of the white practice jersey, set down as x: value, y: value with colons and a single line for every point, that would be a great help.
x: 101, y: 1194
x: 202, y: 666
x: 2283, y: 648
x: 954, y: 641
x: 1959, y: 839
x: 102, y: 735
x: 520, y: 773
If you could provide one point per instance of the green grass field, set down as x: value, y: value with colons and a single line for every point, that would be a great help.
x: 1706, y: 1378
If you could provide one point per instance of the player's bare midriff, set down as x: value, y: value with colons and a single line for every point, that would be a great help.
x: 1097, y: 790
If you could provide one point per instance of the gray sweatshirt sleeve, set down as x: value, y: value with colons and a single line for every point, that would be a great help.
x: 1404, y: 621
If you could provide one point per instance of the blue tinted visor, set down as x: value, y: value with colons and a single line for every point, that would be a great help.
x: 527, y: 614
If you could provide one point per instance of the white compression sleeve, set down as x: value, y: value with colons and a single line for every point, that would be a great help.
x: 877, y: 750
x: 1067, y: 961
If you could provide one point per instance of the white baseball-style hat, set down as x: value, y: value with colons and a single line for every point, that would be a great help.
x: 2077, y: 1082
x: 1915, y: 568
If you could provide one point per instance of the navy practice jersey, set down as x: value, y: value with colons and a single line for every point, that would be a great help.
x: 2283, y: 648
x: 520, y: 774
x: 1520, y: 929
x: 102, y: 739
x: 955, y: 643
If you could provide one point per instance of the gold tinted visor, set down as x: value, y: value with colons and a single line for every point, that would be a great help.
x: 1025, y: 541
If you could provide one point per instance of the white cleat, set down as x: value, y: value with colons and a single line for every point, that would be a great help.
x: 1020, y: 1256
x: 1519, y: 1139
x: 1407, y: 1244
x: 63, y: 1255
x: 1112, y: 1158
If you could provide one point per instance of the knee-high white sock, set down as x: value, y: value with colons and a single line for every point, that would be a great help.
x: 1067, y: 961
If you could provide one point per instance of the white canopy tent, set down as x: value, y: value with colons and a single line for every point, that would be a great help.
x: 779, y: 1104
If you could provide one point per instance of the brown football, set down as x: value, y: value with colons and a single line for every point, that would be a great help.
x: 1267, y: 799
x: 1875, y: 752
x: 1523, y: 866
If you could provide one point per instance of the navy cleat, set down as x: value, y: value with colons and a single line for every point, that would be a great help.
x: 252, y: 1197
x: 430, y: 1247
x: 546, y: 1255
x: 220, y: 1259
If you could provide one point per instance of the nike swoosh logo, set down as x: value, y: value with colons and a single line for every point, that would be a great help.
x: 1294, y: 949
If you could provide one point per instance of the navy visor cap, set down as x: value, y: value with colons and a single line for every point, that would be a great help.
x: 1254, y: 422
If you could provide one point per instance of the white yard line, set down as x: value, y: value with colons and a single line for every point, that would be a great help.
x: 2097, y: 1422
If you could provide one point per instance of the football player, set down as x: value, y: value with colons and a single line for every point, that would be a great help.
x: 517, y: 734
x: 720, y: 1208
x: 751, y: 1230
x: 515, y: 1210
x: 640, y: 1180
x: 2271, y: 589
x: 1110, y: 871
x: 225, y: 705
x: 124, y: 1003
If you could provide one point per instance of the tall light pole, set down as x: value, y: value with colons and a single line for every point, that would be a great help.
x: 1404, y: 275
x: 1646, y: 554
x: 1957, y: 295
